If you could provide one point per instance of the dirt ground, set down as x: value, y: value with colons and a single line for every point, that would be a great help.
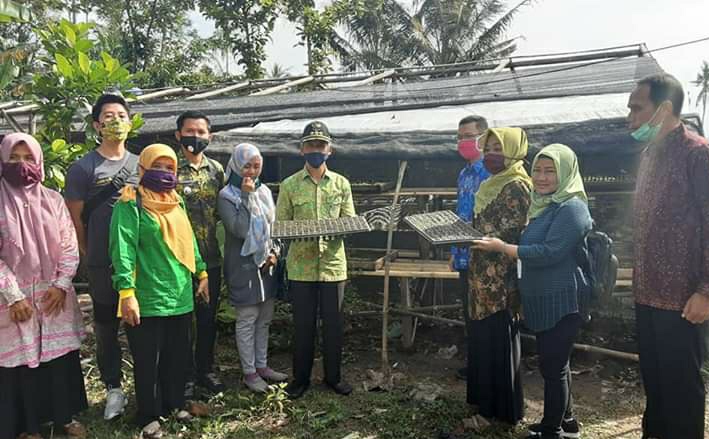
x: 608, y: 394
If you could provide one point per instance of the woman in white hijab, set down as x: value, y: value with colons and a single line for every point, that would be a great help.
x: 247, y: 210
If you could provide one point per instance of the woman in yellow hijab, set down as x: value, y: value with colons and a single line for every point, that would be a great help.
x: 155, y: 261
x: 501, y: 206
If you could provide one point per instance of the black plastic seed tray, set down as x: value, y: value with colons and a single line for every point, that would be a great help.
x: 316, y: 229
x: 443, y: 227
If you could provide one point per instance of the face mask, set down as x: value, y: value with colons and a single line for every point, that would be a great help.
x: 21, y: 174
x: 237, y: 180
x: 469, y: 149
x: 494, y: 163
x: 649, y: 130
x: 194, y: 144
x: 116, y: 129
x: 316, y: 159
x: 158, y: 180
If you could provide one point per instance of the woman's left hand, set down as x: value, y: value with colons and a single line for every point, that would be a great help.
x: 489, y: 245
x: 54, y: 301
x: 203, y: 289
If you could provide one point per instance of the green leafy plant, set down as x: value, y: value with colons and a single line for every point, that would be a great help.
x: 70, y: 81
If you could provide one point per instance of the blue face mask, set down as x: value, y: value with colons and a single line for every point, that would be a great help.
x: 236, y: 180
x: 316, y: 159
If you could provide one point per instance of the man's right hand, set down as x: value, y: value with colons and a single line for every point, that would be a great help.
x: 130, y: 311
x: 21, y: 311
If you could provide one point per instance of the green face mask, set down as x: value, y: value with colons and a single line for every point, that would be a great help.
x: 650, y: 129
x: 115, y: 129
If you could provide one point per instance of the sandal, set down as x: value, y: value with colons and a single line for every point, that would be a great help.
x: 198, y: 409
x: 29, y: 436
x: 152, y: 431
x: 75, y: 429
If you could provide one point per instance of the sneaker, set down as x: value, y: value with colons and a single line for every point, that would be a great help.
x: 255, y: 383
x: 212, y: 383
x: 569, y: 429
x: 116, y: 402
x: 271, y: 375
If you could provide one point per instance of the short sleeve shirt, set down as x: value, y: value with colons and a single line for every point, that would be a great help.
x: 85, y: 179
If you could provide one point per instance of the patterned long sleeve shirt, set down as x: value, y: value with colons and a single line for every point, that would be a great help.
x: 469, y: 181
x: 42, y: 337
x: 300, y: 198
x: 199, y: 187
x: 492, y: 276
x: 671, y: 230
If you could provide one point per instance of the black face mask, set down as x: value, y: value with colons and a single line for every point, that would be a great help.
x: 194, y: 144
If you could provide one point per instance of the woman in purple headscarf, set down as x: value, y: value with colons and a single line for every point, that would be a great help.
x: 40, y: 322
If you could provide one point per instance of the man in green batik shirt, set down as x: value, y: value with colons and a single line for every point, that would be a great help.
x: 317, y: 269
x: 199, y: 181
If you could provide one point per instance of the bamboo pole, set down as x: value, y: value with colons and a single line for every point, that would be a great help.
x: 219, y: 91
x: 387, y: 269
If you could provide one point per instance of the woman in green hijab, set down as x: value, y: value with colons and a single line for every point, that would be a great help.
x: 501, y: 207
x: 550, y: 279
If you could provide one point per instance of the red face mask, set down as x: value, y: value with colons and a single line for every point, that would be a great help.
x: 469, y: 149
x: 494, y: 163
x: 21, y: 174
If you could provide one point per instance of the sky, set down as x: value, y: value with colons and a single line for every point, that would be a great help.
x: 550, y: 26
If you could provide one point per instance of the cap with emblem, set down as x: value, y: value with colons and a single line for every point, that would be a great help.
x: 316, y: 130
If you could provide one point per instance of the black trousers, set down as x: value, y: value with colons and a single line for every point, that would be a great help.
x: 161, y: 350
x: 308, y: 298
x: 463, y: 282
x: 554, y: 348
x: 671, y: 355
x: 106, y: 325
x: 494, y: 381
x: 206, y: 328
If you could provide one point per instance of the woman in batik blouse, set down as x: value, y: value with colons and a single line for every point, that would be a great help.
x: 494, y: 351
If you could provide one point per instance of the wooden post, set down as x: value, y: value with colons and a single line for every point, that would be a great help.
x: 387, y: 269
x: 408, y: 323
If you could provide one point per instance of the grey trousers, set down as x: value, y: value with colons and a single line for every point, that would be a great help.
x: 252, y: 324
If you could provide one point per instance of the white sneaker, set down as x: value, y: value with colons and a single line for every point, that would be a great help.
x: 256, y: 384
x: 116, y: 402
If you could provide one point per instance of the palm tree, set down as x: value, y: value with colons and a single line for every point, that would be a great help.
x: 386, y: 33
x: 703, y: 82
x: 278, y: 71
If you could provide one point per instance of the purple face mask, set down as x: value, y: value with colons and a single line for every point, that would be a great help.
x: 158, y: 180
x: 20, y: 174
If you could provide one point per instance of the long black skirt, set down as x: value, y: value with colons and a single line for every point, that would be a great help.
x: 29, y: 397
x: 494, y: 381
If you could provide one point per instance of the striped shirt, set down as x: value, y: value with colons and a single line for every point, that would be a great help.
x: 551, y: 277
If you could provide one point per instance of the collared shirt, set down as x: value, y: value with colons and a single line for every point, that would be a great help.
x: 301, y: 198
x: 199, y: 186
x: 671, y: 230
x: 143, y: 262
x: 469, y: 181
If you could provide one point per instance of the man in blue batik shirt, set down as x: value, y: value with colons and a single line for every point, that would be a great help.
x: 470, y: 128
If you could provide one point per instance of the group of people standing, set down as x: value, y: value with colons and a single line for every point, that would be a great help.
x: 528, y: 268
x: 146, y: 227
